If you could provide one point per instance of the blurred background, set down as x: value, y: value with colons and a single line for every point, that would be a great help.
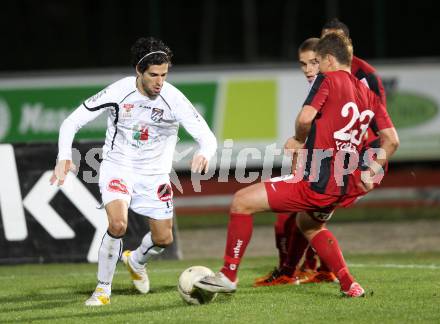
x: 54, y: 35
x: 237, y: 62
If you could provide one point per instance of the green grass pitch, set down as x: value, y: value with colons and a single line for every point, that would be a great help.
x: 401, y: 288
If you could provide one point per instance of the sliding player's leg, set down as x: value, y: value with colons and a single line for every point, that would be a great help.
x: 287, y: 272
x: 246, y: 202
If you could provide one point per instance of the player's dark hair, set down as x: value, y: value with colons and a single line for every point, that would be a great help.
x: 308, y: 45
x: 141, y: 57
x: 335, y: 23
x: 336, y: 45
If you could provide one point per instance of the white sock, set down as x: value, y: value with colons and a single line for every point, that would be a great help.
x: 145, y: 251
x: 109, y: 252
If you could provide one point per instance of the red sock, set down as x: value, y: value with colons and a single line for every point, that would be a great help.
x: 327, y: 247
x: 281, y: 237
x: 310, y: 260
x: 239, y: 235
x: 297, y: 245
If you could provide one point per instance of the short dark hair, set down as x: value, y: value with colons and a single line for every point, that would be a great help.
x: 308, y: 45
x: 143, y: 46
x: 335, y: 23
x: 337, y: 45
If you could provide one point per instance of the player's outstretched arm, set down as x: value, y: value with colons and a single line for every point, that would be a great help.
x: 197, y: 127
x: 70, y: 126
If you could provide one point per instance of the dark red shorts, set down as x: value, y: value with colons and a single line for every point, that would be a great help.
x: 284, y: 195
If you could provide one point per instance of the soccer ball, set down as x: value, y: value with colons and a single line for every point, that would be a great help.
x: 189, y: 293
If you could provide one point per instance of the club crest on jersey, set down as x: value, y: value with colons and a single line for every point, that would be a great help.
x: 118, y: 185
x: 156, y: 115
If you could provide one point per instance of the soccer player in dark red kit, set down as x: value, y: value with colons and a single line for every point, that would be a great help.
x: 333, y: 120
x: 289, y: 241
x: 361, y: 70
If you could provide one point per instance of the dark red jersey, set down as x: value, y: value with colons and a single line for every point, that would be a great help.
x: 366, y: 73
x: 346, y: 109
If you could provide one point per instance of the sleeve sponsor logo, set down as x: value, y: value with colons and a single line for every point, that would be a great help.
x: 97, y: 96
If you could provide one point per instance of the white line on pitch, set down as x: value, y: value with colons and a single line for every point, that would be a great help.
x: 394, y: 266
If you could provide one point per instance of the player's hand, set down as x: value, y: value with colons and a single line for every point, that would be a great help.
x: 291, y: 148
x: 292, y: 145
x: 366, y: 184
x: 60, y: 172
x: 199, y: 164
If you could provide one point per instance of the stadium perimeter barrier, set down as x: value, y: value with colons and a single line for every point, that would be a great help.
x: 251, y: 111
x: 42, y: 223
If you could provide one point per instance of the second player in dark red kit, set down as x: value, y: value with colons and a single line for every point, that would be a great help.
x: 290, y: 242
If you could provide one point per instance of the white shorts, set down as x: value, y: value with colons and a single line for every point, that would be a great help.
x: 147, y: 195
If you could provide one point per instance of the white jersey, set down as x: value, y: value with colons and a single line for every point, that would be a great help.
x: 141, y: 132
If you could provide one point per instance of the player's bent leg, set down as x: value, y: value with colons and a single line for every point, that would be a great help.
x: 109, y: 251
x: 161, y: 231
x: 288, y: 273
x: 308, y: 225
x: 117, y: 215
x: 307, y: 274
x: 153, y: 243
x: 138, y: 273
x: 327, y: 247
x: 297, y: 244
x: 310, y: 260
x: 246, y: 201
x: 283, y: 227
x: 250, y: 200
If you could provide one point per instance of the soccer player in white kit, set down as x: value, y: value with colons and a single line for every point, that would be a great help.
x: 144, y: 113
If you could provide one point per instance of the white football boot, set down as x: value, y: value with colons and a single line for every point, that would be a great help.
x: 138, y: 275
x: 98, y: 298
x: 217, y: 284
